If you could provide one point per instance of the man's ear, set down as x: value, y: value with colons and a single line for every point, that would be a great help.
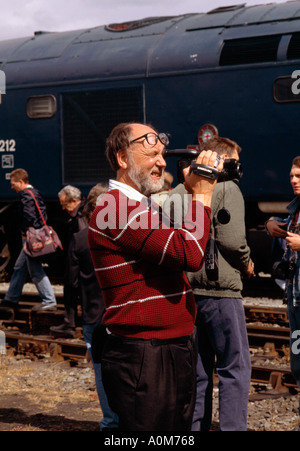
x: 224, y: 156
x: 122, y: 159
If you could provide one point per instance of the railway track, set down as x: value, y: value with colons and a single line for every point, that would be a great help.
x: 27, y: 333
x: 264, y: 324
x: 267, y: 314
x: 46, y: 346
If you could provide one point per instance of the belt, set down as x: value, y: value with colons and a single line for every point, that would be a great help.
x: 155, y: 341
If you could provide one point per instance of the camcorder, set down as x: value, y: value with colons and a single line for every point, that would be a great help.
x: 232, y: 171
x: 232, y: 168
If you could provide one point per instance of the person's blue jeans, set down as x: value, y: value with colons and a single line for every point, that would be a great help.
x: 110, y: 419
x: 222, y: 341
x: 24, y: 266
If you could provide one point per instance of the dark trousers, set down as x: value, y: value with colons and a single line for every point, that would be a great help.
x: 151, y: 384
x: 222, y: 341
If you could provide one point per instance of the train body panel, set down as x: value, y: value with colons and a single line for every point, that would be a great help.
x: 248, y: 119
x: 233, y: 67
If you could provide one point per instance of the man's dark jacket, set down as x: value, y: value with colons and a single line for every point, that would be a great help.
x: 29, y: 215
x: 83, y: 278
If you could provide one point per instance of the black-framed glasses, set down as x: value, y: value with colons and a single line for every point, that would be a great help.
x: 150, y: 139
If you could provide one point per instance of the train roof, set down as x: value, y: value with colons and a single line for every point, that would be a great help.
x: 145, y: 48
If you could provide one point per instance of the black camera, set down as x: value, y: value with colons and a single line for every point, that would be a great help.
x: 284, y: 270
x: 232, y: 168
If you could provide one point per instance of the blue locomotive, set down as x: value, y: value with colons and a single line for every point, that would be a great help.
x: 234, y: 70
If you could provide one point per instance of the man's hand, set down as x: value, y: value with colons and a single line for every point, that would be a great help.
x: 249, y: 270
x: 196, y: 184
x: 275, y: 229
x: 293, y: 241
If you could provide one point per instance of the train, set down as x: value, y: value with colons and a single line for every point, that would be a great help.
x: 233, y: 71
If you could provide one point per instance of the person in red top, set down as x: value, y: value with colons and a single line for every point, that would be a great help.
x: 140, y: 258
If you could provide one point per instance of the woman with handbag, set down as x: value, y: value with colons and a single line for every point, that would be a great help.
x: 33, y: 215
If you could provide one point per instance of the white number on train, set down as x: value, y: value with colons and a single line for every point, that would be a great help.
x: 8, y: 145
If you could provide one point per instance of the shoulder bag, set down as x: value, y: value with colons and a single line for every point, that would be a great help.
x: 41, y: 242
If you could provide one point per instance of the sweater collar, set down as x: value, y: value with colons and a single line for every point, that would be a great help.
x: 127, y: 190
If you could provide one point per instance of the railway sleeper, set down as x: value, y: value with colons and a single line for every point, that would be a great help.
x: 277, y: 382
x: 267, y: 315
x: 57, y: 350
x: 281, y: 381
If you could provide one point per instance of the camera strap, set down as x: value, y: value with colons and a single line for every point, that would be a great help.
x: 204, y: 171
x: 211, y: 259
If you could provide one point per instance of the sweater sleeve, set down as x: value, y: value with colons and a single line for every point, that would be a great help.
x: 144, y: 232
x: 231, y: 238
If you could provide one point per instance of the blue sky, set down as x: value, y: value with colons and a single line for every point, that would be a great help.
x: 21, y: 18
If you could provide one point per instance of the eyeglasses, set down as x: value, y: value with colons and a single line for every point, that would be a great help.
x: 150, y: 139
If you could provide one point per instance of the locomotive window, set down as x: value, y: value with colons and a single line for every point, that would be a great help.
x: 88, y: 118
x: 294, y: 47
x: 250, y: 50
x: 39, y: 107
x: 286, y: 89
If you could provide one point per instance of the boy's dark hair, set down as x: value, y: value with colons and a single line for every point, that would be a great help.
x: 296, y: 162
x: 222, y: 145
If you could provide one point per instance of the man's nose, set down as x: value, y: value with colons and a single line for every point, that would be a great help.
x: 161, y: 161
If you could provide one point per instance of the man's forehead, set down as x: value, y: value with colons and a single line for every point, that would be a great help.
x: 140, y: 129
x: 295, y: 170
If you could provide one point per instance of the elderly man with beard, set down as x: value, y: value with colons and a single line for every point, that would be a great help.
x: 140, y: 258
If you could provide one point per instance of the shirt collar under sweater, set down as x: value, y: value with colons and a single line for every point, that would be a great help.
x: 127, y: 190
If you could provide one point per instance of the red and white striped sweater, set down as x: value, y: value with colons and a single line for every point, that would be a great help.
x: 140, y: 262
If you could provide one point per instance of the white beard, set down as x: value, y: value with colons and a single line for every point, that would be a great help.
x: 141, y: 178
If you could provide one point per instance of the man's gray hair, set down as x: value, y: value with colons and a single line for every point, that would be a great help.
x: 71, y: 192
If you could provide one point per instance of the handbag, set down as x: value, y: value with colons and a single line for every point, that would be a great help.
x: 41, y: 242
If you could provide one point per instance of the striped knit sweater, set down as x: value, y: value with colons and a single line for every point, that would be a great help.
x: 140, y: 259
